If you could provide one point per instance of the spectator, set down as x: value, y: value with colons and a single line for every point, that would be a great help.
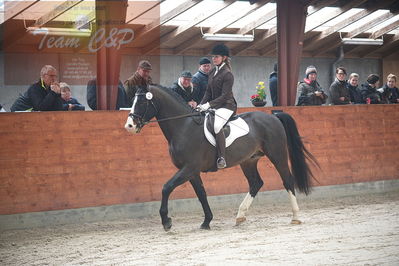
x: 309, y: 90
x: 369, y: 92
x: 353, y: 87
x: 339, y: 91
x: 44, y: 95
x: 388, y: 92
x: 121, y: 101
x: 273, y: 85
x: 140, y: 78
x: 393, y: 90
x: 200, y: 79
x: 185, y: 89
x: 69, y: 103
x: 2, y: 109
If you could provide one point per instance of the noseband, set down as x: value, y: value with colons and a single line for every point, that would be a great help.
x: 139, y: 118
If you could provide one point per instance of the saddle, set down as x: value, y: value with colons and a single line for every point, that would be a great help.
x: 236, y: 127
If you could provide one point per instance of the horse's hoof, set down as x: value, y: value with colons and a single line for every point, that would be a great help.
x: 168, y: 224
x: 240, y: 220
x: 205, y: 227
x: 296, y: 222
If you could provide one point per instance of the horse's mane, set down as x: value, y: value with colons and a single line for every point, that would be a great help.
x: 175, y: 96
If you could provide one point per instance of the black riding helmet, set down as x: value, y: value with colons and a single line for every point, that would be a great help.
x: 220, y: 49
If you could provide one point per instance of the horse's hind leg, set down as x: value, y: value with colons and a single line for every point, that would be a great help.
x: 281, y: 163
x: 199, y: 189
x: 250, y: 170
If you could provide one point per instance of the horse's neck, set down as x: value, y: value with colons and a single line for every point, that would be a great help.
x: 169, y: 109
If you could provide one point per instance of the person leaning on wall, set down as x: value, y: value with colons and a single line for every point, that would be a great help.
x: 200, y: 79
x: 44, y: 95
x: 91, y: 95
x: 339, y: 90
x: 273, y: 85
x: 389, y: 90
x: 140, y: 78
x: 68, y: 102
x: 184, y: 87
x: 309, y: 90
x: 354, y: 90
x: 369, y: 91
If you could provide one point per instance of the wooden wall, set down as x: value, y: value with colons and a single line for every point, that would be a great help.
x: 63, y: 160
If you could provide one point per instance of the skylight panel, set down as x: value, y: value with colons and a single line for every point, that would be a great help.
x: 364, y: 20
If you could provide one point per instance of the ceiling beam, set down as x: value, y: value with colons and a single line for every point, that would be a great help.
x: 13, y: 9
x: 205, y: 14
x: 157, y: 3
x: 258, y: 21
x: 388, y: 44
x: 369, y: 24
x: 237, y: 16
x: 56, y: 12
x: 353, y: 33
x: 270, y: 34
x: 333, y: 14
x: 385, y: 29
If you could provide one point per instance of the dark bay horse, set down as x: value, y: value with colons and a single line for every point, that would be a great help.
x: 275, y: 136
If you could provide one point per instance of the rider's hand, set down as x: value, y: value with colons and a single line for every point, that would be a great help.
x: 203, y: 107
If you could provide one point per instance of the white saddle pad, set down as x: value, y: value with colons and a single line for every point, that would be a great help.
x: 238, y: 128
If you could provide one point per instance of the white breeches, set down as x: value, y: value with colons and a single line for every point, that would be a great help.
x: 222, y: 115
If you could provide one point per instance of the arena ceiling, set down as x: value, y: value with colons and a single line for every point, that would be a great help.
x: 176, y: 27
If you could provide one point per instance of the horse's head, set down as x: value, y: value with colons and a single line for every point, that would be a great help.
x: 143, y: 109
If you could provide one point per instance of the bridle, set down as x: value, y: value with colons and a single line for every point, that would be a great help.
x: 140, y: 118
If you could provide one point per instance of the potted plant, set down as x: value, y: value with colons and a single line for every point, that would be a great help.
x: 259, y: 99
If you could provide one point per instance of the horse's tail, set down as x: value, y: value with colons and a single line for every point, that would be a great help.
x: 298, y: 153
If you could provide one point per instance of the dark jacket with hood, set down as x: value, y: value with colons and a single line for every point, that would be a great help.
x: 369, y: 92
x: 273, y: 87
x: 306, y: 93
x: 339, y: 89
x: 354, y: 93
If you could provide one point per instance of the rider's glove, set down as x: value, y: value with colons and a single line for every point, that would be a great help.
x: 203, y: 107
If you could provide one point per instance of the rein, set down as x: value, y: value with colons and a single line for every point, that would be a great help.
x: 167, y: 118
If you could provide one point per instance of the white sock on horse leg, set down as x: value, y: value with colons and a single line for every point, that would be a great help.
x: 294, y: 205
x: 244, y: 206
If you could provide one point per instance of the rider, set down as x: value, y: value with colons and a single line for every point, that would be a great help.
x: 219, y: 96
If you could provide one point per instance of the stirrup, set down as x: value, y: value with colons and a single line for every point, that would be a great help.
x: 221, y: 163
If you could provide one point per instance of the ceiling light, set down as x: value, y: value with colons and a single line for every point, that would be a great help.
x: 228, y: 37
x: 362, y: 41
x: 59, y: 31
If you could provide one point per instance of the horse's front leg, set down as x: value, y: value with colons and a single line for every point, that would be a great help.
x: 179, y: 178
x: 199, y: 189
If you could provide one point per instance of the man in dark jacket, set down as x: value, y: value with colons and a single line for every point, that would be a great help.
x: 185, y: 89
x: 44, y: 95
x: 140, y: 78
x: 121, y: 101
x: 200, y: 79
x: 309, y: 90
x: 339, y: 91
x: 273, y: 85
x: 369, y: 90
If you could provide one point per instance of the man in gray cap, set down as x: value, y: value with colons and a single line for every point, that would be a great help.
x: 200, y: 79
x: 184, y: 87
x: 141, y: 78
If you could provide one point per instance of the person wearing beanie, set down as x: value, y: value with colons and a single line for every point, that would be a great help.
x: 369, y: 90
x: 273, y: 85
x: 309, y: 91
x: 219, y: 96
x: 200, y: 79
x: 339, y: 91
x: 184, y: 87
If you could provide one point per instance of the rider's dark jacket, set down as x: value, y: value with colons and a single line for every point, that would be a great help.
x: 219, y: 92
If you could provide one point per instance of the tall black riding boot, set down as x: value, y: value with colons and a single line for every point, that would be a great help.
x: 221, y: 147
